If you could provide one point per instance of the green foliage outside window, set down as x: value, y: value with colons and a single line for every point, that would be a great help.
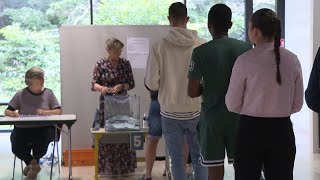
x: 134, y: 12
x: 29, y: 30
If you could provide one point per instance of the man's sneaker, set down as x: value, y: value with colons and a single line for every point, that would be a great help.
x: 144, y: 178
x: 262, y: 176
x: 34, y: 170
x: 189, y: 172
x: 26, y: 170
x: 190, y: 176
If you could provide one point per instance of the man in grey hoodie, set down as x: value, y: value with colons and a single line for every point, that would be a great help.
x: 167, y: 71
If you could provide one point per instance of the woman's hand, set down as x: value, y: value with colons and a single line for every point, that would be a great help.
x: 14, y: 114
x: 104, y: 90
x: 117, y: 88
x: 41, y: 112
x: 48, y: 112
x: 10, y: 113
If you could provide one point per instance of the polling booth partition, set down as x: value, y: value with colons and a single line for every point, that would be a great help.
x: 81, y: 47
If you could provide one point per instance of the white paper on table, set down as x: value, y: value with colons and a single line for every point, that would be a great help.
x: 137, y: 52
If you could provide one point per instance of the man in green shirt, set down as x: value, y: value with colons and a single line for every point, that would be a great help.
x: 209, y: 74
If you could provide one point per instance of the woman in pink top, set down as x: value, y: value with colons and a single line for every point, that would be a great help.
x: 265, y: 88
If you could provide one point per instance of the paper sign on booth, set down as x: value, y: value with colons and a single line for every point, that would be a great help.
x: 138, y: 51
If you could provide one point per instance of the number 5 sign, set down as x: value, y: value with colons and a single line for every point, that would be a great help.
x: 136, y: 141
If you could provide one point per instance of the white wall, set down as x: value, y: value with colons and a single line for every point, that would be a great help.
x: 298, y: 40
x: 303, y: 38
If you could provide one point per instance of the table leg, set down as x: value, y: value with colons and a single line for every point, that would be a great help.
x: 96, y: 151
x: 69, y: 157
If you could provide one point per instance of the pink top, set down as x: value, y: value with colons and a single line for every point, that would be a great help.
x: 253, y: 88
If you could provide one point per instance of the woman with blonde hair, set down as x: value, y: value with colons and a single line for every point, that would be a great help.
x: 112, y: 75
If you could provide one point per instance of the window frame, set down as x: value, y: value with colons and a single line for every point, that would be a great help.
x: 280, y: 10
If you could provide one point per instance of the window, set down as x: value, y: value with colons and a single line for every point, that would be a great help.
x: 29, y: 36
x: 198, y: 12
x: 258, y: 4
x: 133, y: 12
x: 254, y: 5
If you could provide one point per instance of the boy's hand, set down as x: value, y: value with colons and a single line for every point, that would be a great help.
x: 41, y: 112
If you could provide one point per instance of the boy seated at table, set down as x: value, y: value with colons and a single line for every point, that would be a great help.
x: 32, y: 100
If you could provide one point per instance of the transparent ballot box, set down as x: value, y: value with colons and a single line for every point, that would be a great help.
x: 122, y: 113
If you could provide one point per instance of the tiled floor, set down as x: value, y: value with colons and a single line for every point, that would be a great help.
x: 307, y: 166
x: 304, y: 170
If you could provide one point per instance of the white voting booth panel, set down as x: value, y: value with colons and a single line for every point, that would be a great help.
x: 81, y: 47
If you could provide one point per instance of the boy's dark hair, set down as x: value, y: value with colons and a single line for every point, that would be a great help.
x: 270, y: 26
x: 178, y: 10
x: 220, y: 16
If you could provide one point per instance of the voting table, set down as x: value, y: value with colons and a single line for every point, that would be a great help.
x: 136, y: 141
x: 68, y: 120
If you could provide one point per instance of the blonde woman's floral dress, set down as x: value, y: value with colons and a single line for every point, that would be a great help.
x: 114, y: 159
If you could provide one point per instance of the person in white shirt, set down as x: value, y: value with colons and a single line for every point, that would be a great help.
x: 167, y: 71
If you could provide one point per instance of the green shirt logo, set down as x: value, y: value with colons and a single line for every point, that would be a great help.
x: 191, y: 66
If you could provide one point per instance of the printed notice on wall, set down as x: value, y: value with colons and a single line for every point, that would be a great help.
x: 137, y: 52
